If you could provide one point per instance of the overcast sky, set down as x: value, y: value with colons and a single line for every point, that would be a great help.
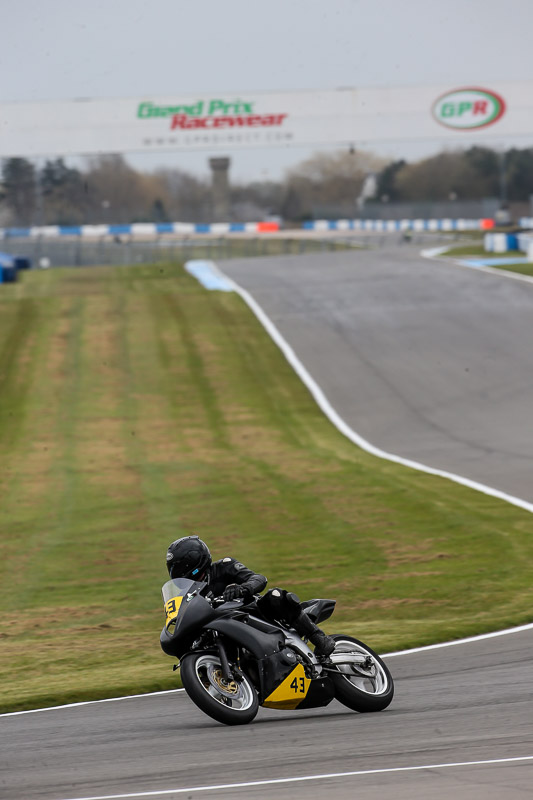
x: 58, y: 50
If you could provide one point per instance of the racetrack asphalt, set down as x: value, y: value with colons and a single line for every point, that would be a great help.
x: 425, y: 360
x: 467, y: 703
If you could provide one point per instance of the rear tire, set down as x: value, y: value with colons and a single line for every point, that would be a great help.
x: 232, y: 704
x: 362, y: 688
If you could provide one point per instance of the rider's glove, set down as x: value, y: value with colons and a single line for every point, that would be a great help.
x: 233, y: 592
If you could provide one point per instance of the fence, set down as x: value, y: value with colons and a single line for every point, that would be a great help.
x: 105, y: 252
x: 77, y: 251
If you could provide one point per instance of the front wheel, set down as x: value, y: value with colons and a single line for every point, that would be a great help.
x: 233, y: 703
x: 363, y: 682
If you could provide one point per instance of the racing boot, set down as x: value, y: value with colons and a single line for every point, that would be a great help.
x: 324, y: 644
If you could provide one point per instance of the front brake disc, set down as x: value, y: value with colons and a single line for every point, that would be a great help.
x: 231, y: 689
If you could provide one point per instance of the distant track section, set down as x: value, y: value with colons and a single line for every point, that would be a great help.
x: 423, y: 360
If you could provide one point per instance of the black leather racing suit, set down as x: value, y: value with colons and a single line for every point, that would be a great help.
x: 229, y: 570
x: 277, y: 604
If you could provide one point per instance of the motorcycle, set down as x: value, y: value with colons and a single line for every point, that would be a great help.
x: 232, y: 661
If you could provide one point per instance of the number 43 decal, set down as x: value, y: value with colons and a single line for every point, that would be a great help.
x: 298, y: 685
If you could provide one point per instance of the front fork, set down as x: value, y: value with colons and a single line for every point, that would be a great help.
x: 224, y: 663
x: 228, y: 674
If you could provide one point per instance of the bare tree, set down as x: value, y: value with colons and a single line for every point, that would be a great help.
x: 188, y: 198
x: 117, y: 192
x: 448, y: 175
x: 333, y: 180
x: 19, y: 189
x: 63, y: 194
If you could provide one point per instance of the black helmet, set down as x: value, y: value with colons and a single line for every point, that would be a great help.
x: 188, y: 557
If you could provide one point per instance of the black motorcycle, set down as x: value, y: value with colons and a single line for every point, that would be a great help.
x: 232, y: 661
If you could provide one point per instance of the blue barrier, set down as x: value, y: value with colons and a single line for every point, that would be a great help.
x: 8, y: 269
x: 10, y: 265
x: 164, y: 227
x: 15, y: 233
x: 70, y: 230
x: 501, y: 242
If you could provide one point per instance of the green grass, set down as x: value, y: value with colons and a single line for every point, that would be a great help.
x: 136, y: 407
x: 522, y: 269
x: 467, y: 250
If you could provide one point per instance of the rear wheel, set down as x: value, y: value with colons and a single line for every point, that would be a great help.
x: 365, y: 683
x: 233, y: 702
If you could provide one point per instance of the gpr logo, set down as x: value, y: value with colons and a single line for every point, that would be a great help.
x: 467, y: 108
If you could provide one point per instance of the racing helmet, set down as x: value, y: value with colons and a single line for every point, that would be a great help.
x: 188, y: 557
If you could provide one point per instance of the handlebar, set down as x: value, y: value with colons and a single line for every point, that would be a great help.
x: 218, y: 601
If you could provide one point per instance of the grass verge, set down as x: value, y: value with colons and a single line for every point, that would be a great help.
x: 473, y: 251
x: 468, y: 250
x: 137, y: 407
x: 522, y: 269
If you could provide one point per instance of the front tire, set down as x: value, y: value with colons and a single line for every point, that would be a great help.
x: 233, y: 703
x: 363, y: 687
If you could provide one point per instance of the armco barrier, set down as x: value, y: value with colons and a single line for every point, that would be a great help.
x: 137, y: 229
x: 148, y: 229
x: 392, y: 225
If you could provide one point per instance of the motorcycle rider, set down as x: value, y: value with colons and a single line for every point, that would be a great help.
x: 189, y: 557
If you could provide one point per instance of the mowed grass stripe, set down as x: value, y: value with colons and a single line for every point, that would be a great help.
x: 141, y: 407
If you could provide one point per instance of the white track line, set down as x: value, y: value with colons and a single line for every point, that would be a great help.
x: 326, y: 776
x: 89, y: 703
x: 339, y: 423
x: 467, y: 640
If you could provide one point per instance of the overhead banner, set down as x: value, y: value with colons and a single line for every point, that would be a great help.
x: 223, y: 121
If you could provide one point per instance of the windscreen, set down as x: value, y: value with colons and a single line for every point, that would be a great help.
x: 178, y: 587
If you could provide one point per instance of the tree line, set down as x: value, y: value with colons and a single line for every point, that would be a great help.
x: 111, y: 190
